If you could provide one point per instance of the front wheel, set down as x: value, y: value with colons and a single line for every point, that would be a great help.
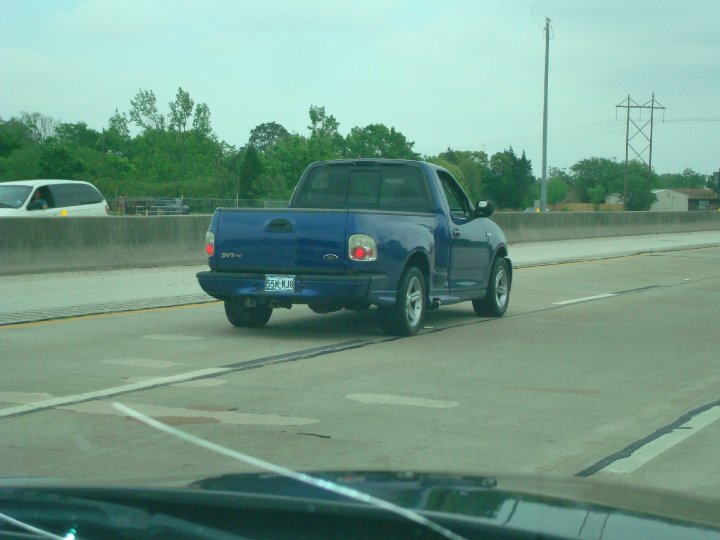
x: 496, y: 300
x: 252, y: 317
x: 405, y: 318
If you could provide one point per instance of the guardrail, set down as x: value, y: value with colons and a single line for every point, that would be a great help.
x: 39, y: 245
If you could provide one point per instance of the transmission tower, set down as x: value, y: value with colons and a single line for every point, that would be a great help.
x: 640, y: 133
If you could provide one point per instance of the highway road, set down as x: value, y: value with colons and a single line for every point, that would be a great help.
x: 605, y: 366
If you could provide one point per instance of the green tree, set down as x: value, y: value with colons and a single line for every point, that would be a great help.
x: 289, y: 158
x: 250, y: 171
x: 556, y: 190
x: 688, y: 179
x: 264, y: 136
x: 510, y: 181
x: 115, y: 139
x: 181, y: 111
x: 596, y: 194
x: 472, y: 166
x: 376, y: 140
x: 269, y: 187
x: 144, y: 112
x: 325, y: 141
x: 201, y: 120
x: 593, y: 173
x: 77, y: 134
x: 40, y: 127
x: 640, y: 182
x: 595, y: 178
x: 14, y: 135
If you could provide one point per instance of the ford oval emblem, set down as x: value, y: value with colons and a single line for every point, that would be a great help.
x: 331, y: 257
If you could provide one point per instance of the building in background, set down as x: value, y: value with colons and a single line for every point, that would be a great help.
x: 683, y: 200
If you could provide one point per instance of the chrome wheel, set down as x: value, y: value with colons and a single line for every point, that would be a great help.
x: 406, y: 316
x: 495, y: 302
x: 414, y: 302
x: 501, y: 287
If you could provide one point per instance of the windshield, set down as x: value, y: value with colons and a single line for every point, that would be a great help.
x: 448, y: 254
x: 13, y: 196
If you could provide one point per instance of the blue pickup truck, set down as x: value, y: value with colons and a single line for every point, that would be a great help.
x: 397, y: 234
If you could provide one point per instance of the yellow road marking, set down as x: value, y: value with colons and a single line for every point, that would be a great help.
x: 31, y: 324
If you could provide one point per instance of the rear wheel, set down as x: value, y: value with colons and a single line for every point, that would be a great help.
x: 253, y: 317
x: 405, y: 318
x: 496, y: 300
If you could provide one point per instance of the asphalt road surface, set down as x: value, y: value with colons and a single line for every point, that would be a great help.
x: 606, y: 368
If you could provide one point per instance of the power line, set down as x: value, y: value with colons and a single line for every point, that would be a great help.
x: 689, y: 119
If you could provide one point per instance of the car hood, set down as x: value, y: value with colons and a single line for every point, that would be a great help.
x: 494, y: 497
x: 559, y: 507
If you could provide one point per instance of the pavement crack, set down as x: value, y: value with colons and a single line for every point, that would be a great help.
x: 314, y: 435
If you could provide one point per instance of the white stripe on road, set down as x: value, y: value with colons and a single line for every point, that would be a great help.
x: 585, y: 299
x: 107, y: 392
x: 386, y: 399
x: 665, y: 442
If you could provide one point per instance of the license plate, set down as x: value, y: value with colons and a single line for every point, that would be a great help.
x: 274, y: 283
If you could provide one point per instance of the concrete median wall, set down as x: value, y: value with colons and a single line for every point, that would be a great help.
x: 39, y: 245
x: 537, y: 227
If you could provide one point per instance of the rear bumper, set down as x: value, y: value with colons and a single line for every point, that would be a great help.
x: 308, y: 287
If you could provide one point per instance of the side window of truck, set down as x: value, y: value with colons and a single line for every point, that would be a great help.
x: 457, y: 201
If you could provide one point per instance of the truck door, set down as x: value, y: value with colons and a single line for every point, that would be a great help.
x: 469, y: 247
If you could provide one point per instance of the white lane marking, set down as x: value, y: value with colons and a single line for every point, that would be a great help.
x: 23, y: 397
x: 665, y: 442
x: 141, y: 362
x: 139, y: 378
x: 200, y: 383
x: 224, y: 417
x: 387, y: 399
x: 107, y: 392
x: 171, y: 337
x: 585, y: 299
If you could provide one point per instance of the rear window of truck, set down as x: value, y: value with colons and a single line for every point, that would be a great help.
x: 379, y: 187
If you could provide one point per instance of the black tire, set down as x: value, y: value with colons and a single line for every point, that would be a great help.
x: 242, y: 316
x: 406, y: 317
x: 497, y: 299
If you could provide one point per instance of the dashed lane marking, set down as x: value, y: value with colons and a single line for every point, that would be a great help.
x: 584, y: 299
x: 181, y: 415
x: 54, y: 402
x: 387, y: 399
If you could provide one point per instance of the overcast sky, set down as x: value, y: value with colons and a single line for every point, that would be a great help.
x: 466, y: 74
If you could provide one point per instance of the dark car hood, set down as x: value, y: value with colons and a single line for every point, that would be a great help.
x: 539, y: 505
x: 558, y: 505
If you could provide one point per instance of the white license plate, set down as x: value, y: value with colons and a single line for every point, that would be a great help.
x: 275, y: 283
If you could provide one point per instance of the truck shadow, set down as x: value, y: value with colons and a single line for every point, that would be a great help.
x: 346, y: 324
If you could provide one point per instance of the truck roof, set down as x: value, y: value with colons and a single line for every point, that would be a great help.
x: 376, y: 161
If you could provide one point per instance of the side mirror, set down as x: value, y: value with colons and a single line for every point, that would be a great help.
x: 484, y: 208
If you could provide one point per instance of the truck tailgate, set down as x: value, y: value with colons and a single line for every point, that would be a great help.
x: 281, y: 240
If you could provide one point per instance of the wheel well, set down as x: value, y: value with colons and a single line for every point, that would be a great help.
x: 502, y: 252
x: 420, y: 261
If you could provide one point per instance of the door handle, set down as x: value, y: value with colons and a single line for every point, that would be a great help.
x: 456, y: 233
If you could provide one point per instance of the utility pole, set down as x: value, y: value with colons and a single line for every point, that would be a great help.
x: 628, y: 104
x: 543, y: 184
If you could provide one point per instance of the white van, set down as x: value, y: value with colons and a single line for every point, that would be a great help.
x: 47, y: 198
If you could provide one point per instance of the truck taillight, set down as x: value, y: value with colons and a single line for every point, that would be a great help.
x: 362, y: 247
x: 209, y: 244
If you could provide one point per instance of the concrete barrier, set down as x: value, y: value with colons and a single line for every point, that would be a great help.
x: 539, y: 227
x: 39, y: 245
